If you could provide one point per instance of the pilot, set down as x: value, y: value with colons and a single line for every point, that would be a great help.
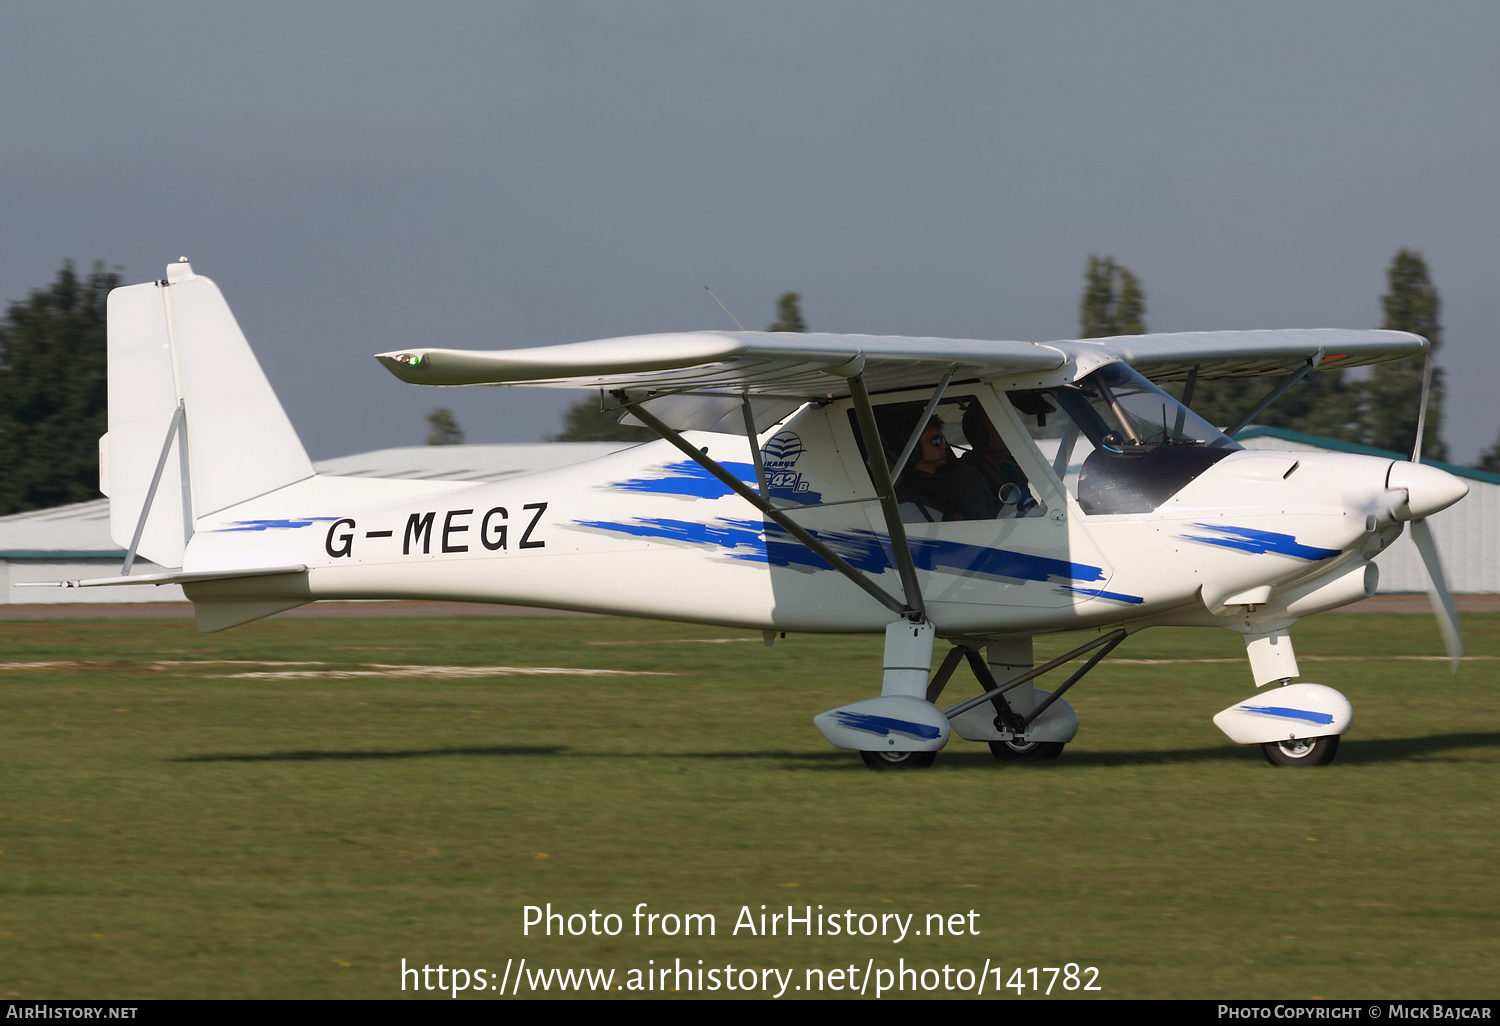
x: 935, y: 485
x: 1006, y: 492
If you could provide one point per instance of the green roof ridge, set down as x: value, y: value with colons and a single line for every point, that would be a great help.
x: 1335, y: 445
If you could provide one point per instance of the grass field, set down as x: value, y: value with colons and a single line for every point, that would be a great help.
x: 169, y: 829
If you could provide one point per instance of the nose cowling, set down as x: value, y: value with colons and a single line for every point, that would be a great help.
x: 1428, y: 489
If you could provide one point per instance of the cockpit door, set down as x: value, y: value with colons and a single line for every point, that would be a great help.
x: 1013, y: 553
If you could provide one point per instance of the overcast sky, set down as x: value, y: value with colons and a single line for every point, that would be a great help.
x: 364, y: 177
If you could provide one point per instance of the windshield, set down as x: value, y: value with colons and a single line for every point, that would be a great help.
x: 1121, y: 445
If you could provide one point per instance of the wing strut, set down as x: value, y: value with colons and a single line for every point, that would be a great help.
x: 1187, y: 400
x: 875, y: 458
x: 1275, y: 394
x: 754, y: 439
x: 763, y: 504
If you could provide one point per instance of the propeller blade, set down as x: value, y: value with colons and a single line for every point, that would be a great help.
x: 1437, y: 589
x: 1416, y: 445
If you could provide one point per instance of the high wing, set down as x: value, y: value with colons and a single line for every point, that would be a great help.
x: 807, y: 366
x: 1240, y: 354
x: 702, y: 378
x: 708, y: 372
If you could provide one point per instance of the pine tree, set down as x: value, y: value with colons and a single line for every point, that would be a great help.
x: 585, y: 421
x: 788, y: 313
x: 1490, y: 458
x: 1320, y: 404
x: 1394, y: 391
x: 443, y: 429
x: 1112, y: 303
x: 53, y: 391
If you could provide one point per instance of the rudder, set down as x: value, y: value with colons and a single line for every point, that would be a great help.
x: 187, y: 400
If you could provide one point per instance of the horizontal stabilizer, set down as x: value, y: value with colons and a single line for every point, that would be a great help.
x: 174, y: 577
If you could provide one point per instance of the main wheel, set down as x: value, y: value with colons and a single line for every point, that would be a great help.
x: 1313, y: 751
x: 898, y: 760
x: 1008, y: 751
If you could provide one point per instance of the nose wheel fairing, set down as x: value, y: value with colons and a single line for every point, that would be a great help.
x: 888, y: 724
x: 1293, y: 712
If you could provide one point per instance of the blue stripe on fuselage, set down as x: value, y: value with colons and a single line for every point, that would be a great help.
x: 1249, y: 539
x: 865, y: 550
x: 273, y: 525
x: 690, y: 480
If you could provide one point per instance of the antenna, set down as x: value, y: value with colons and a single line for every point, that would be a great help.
x: 732, y: 317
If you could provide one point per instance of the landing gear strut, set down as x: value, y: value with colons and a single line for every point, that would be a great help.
x: 1020, y: 723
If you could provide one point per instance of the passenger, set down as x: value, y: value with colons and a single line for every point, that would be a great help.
x: 935, y: 486
x: 1006, y: 492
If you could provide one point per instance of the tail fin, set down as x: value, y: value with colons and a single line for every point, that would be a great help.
x: 193, y: 424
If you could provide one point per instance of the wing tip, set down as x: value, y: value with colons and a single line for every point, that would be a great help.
x: 405, y: 364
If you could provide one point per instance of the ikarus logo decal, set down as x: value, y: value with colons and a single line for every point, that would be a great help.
x: 779, y: 457
x: 782, y: 450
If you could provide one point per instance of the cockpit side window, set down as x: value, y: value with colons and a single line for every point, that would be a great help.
x: 1119, y: 443
x: 960, y: 468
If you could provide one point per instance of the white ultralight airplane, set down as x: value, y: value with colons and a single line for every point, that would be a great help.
x: 804, y: 482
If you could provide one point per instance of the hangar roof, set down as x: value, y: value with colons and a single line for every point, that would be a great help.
x: 81, y: 530
x: 1269, y: 437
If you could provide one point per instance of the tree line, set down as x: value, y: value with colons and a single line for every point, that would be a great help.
x: 1380, y: 409
x: 53, y: 390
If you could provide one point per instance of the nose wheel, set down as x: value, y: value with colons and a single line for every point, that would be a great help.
x: 1313, y: 751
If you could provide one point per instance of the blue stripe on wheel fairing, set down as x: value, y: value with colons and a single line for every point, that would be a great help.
x: 883, y: 725
x: 1291, y: 714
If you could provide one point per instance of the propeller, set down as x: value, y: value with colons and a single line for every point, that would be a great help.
x: 1437, y: 590
x: 1426, y: 494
